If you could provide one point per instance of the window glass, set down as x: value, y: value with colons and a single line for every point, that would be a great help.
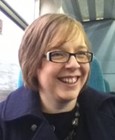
x: 25, y: 8
x: 10, y: 39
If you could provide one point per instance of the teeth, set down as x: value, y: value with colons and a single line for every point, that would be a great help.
x: 69, y: 80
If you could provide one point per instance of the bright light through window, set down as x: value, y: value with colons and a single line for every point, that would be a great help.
x: 25, y: 8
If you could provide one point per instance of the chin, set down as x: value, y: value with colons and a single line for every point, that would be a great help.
x: 70, y: 95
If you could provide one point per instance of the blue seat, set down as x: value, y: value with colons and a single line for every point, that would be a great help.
x: 96, y: 79
x: 107, y: 85
x: 20, y: 80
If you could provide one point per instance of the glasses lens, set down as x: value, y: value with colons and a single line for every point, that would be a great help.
x: 59, y: 56
x: 83, y: 57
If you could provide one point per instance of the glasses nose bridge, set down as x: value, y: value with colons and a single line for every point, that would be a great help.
x: 72, y: 54
x: 72, y: 61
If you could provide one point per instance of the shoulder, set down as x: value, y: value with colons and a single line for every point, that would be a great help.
x: 20, y: 103
x: 16, y: 93
x: 92, y: 96
x: 15, y: 100
x: 93, y: 100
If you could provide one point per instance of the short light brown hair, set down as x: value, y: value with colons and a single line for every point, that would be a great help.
x: 49, y: 30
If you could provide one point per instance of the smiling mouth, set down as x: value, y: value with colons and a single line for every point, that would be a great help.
x: 69, y: 80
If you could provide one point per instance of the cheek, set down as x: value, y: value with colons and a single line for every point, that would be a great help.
x: 85, y: 70
x: 43, y: 74
x: 43, y: 78
x: 47, y: 72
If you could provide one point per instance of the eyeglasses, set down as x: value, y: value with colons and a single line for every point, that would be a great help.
x: 62, y: 57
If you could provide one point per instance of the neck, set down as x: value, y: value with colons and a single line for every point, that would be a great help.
x: 59, y: 107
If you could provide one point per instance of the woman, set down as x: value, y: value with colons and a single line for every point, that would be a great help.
x: 55, y: 103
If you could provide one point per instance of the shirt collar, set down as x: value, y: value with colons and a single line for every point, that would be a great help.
x: 20, y: 103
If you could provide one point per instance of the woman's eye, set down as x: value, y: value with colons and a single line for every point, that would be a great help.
x: 57, y: 54
x: 81, y: 54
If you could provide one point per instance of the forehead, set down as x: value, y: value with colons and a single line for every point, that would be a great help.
x: 72, y: 43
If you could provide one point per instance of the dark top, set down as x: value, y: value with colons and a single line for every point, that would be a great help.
x: 61, y: 123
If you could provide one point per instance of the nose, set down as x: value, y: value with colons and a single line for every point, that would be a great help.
x: 72, y: 63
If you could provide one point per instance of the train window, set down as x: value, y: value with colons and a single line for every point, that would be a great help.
x: 23, y: 8
x: 10, y: 39
x: 13, y: 21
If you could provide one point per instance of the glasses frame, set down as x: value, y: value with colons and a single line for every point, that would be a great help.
x: 49, y: 56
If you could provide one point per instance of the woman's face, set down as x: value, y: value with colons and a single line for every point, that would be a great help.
x: 62, y: 82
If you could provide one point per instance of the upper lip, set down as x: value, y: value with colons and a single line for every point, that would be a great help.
x: 69, y: 79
